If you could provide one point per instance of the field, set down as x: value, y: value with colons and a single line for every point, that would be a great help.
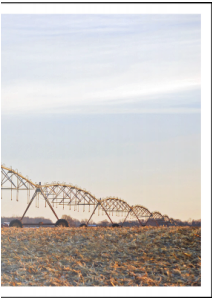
x: 139, y: 256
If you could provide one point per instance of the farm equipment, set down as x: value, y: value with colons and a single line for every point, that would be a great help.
x: 63, y: 194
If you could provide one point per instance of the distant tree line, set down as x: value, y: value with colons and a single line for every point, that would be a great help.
x: 27, y: 219
x: 128, y: 223
x: 104, y: 223
x: 189, y: 222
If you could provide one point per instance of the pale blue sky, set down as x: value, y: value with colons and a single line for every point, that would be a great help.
x: 108, y: 102
x: 60, y: 62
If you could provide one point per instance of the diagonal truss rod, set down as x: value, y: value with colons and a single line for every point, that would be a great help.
x: 67, y: 194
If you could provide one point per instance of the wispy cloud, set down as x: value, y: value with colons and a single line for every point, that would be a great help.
x: 64, y: 62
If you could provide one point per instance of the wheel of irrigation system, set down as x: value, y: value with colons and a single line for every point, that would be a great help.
x: 83, y: 225
x: 116, y: 225
x: 16, y: 223
x: 62, y: 222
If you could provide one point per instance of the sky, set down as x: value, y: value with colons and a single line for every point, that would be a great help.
x: 111, y: 103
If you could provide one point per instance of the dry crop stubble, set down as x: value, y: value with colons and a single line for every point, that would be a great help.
x: 139, y: 256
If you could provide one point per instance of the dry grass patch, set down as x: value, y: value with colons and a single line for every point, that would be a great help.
x: 140, y: 256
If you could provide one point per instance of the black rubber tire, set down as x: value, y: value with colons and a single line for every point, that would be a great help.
x: 115, y: 225
x: 16, y: 223
x: 83, y: 225
x: 62, y: 222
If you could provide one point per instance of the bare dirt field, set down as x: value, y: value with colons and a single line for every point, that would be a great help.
x: 139, y: 256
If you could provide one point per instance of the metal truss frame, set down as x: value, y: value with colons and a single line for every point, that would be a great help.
x: 68, y: 195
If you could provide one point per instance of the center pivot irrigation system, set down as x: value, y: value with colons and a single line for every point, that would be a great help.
x: 63, y: 194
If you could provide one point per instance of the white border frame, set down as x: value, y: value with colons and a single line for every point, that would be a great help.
x: 196, y: 8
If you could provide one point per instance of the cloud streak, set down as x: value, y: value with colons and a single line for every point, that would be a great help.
x: 64, y: 62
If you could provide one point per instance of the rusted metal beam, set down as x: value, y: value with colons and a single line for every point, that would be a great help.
x: 92, y: 213
x: 106, y: 212
x: 46, y: 199
x: 28, y: 206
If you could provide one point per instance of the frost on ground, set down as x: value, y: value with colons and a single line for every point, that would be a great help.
x: 139, y: 256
